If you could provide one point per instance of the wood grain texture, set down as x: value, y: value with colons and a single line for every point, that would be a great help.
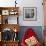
x: 10, y: 26
x: 9, y: 43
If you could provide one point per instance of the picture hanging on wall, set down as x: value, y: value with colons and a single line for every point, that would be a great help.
x: 30, y: 13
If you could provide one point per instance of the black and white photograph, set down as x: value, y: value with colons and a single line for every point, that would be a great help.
x: 30, y: 13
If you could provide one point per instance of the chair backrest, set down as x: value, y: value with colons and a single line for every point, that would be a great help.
x: 29, y: 32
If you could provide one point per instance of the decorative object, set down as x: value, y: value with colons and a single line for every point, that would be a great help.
x: 15, y: 3
x: 30, y: 13
x: 5, y: 12
x: 13, y: 12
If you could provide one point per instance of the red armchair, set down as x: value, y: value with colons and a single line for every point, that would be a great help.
x: 28, y: 34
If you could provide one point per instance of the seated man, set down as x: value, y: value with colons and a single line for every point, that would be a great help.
x: 30, y: 39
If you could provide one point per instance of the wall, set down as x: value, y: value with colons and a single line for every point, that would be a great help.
x: 27, y: 3
x: 38, y: 5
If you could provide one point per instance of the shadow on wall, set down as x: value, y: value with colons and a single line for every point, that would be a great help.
x: 37, y: 29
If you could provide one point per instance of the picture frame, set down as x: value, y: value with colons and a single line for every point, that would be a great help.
x: 5, y: 12
x: 30, y: 13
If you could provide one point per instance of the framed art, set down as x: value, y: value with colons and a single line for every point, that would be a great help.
x: 30, y: 13
x: 5, y: 12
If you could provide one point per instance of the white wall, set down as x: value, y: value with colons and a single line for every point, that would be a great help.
x: 38, y: 5
x: 26, y: 3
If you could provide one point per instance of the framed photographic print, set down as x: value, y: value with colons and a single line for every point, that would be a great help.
x: 30, y: 13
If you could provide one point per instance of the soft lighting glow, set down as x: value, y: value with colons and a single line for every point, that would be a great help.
x: 15, y: 30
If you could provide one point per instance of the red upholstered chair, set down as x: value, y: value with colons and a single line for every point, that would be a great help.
x: 29, y: 33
